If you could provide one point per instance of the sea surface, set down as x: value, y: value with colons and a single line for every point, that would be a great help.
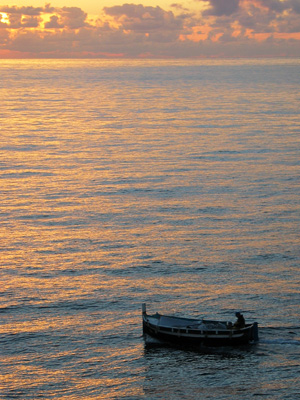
x: 174, y: 183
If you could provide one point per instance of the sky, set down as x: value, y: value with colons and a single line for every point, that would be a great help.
x: 148, y: 29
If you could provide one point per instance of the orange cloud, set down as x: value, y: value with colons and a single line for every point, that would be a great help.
x: 287, y: 36
x: 198, y: 33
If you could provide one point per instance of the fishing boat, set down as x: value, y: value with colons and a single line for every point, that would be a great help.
x: 189, y: 331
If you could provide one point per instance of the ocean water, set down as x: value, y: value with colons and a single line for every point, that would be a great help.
x: 174, y: 183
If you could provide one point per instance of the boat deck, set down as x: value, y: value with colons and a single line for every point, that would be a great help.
x: 188, y: 323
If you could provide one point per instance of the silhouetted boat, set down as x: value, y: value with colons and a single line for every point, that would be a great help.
x: 189, y: 331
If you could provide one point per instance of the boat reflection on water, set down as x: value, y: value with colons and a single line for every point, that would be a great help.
x: 195, y: 332
x: 211, y: 372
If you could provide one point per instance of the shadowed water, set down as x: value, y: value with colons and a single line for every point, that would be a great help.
x: 168, y: 182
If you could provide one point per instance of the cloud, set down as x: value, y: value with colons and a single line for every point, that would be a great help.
x: 225, y: 28
x: 73, y: 17
x: 30, y: 17
x: 269, y: 16
x: 53, y: 23
x: 17, y: 21
x: 34, y: 11
x: 222, y: 7
x: 274, y: 5
x: 295, y: 5
x: 179, y: 6
x: 144, y: 19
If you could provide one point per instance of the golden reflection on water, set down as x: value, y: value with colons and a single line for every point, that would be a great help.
x: 118, y: 189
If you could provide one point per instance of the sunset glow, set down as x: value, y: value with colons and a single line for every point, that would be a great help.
x: 4, y: 18
x: 211, y: 28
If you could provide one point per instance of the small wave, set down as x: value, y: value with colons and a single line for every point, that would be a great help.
x: 280, y: 341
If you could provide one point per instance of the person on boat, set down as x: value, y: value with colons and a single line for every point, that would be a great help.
x: 240, y: 322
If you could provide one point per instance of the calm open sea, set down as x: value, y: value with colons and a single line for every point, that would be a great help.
x: 173, y: 183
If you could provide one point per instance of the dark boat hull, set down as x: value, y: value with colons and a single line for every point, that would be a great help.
x: 187, y: 334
